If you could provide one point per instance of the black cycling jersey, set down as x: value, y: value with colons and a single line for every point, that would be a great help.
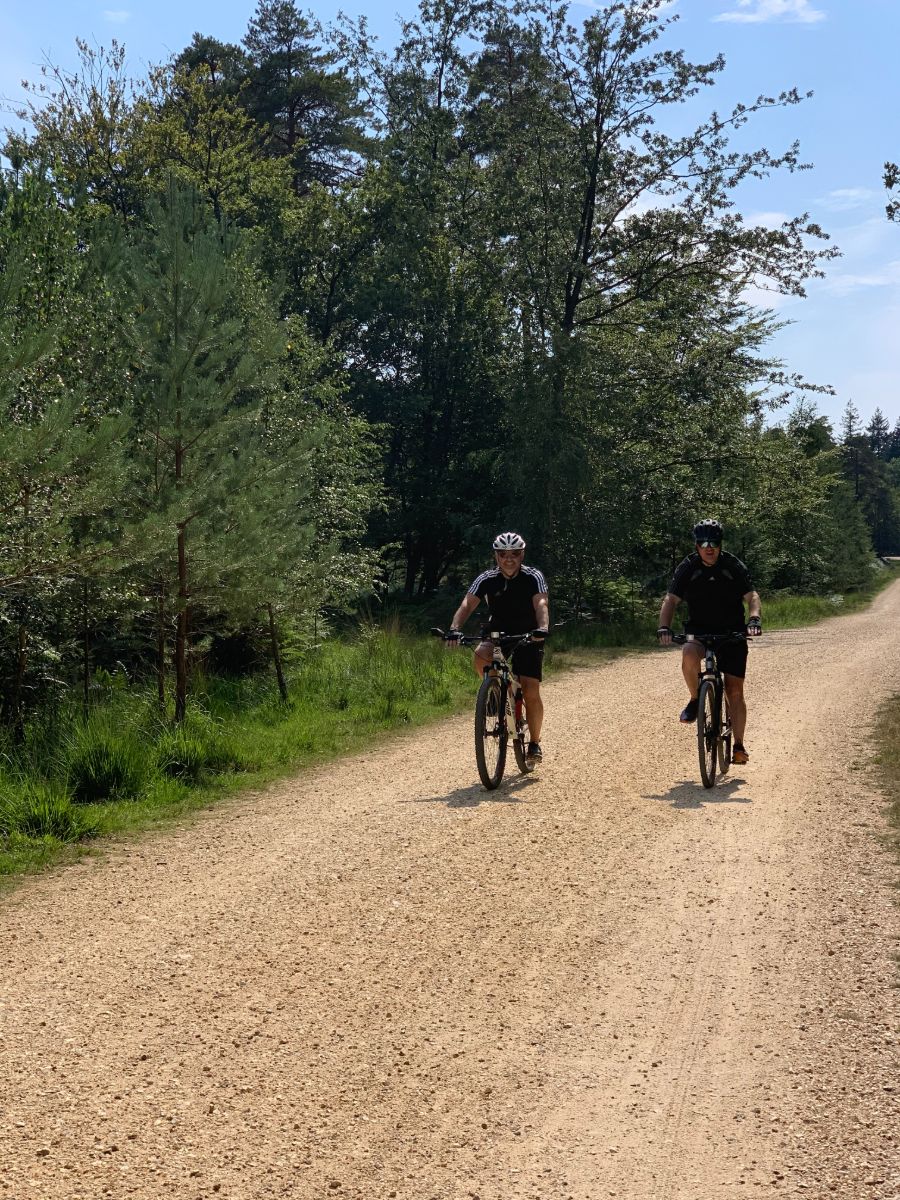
x: 510, y: 601
x: 714, y: 595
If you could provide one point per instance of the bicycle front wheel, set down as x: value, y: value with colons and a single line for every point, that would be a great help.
x: 707, y: 732
x: 521, y: 738
x: 491, y: 732
x: 725, y: 740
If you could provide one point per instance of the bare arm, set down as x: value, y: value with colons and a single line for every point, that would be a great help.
x: 667, y: 612
x: 465, y: 610
x: 541, y: 611
x: 754, y: 607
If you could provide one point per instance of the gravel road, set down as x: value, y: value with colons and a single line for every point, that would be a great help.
x: 377, y: 980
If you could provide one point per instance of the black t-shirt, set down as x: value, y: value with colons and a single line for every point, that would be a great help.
x: 714, y: 595
x: 510, y: 601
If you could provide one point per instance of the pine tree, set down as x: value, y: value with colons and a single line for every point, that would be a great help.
x: 878, y: 431
x: 196, y: 453
x: 298, y: 94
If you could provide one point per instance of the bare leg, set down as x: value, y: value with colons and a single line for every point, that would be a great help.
x: 484, y: 656
x: 534, y: 705
x: 691, y: 662
x: 737, y: 706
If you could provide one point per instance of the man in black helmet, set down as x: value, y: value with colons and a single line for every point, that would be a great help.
x: 516, y: 597
x: 716, y: 586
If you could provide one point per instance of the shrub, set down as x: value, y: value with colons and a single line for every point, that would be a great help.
x: 42, y: 809
x: 102, y: 765
x: 193, y: 749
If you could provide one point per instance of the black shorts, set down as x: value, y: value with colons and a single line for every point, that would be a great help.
x: 526, y: 660
x: 732, y: 657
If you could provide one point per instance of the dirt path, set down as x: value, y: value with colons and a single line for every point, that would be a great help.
x: 379, y: 981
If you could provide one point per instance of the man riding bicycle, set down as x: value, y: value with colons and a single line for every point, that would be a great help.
x: 716, y: 586
x: 517, y: 602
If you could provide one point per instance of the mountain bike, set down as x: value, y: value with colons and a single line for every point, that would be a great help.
x: 714, y: 736
x: 499, y: 706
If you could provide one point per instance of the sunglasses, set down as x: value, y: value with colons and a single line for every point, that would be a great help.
x: 709, y: 545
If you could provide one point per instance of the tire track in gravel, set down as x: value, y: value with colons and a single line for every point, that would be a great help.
x: 377, y: 980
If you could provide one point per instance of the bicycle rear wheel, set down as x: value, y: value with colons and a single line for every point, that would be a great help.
x: 521, y: 738
x: 491, y: 732
x: 707, y: 732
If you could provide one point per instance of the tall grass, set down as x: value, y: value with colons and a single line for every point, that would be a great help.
x: 887, y: 762
x: 786, y: 611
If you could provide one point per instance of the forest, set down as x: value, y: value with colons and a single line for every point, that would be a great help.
x: 296, y: 325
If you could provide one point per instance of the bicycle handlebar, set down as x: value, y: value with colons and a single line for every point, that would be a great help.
x: 488, y: 635
x: 708, y: 638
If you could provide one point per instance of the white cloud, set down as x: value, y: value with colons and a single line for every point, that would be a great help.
x: 757, y: 295
x: 751, y: 11
x: 843, y: 283
x: 117, y: 15
x: 847, y: 199
x: 873, y: 240
x: 768, y: 220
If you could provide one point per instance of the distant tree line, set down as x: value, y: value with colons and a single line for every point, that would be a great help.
x: 286, y: 322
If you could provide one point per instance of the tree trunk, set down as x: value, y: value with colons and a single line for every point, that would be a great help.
x: 181, y: 631
x: 181, y: 628
x: 85, y: 649
x: 413, y: 558
x: 15, y: 717
x: 161, y: 652
x: 276, y: 654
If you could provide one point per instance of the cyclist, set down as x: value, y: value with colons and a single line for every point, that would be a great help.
x: 716, y: 586
x: 516, y: 597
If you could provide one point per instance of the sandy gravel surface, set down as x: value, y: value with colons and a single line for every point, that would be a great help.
x: 377, y: 980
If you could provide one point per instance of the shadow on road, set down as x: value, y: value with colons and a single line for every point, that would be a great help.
x: 692, y: 794
x: 509, y: 792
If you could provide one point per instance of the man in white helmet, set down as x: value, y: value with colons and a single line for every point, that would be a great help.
x: 516, y: 597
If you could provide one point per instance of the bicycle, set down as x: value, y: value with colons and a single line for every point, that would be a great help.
x: 499, y: 702
x: 714, y: 735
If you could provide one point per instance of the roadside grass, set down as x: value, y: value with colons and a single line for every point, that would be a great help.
x: 786, y: 611
x: 887, y: 764
x: 126, y: 768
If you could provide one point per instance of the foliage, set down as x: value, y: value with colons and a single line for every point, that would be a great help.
x: 891, y: 180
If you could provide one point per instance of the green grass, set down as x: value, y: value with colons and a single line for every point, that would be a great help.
x: 887, y: 763
x: 785, y: 611
x: 128, y: 768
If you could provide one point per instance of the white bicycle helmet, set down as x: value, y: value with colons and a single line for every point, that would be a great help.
x: 509, y: 541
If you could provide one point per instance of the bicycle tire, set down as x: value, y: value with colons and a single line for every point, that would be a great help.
x: 491, y: 732
x: 521, y: 739
x: 726, y: 739
x: 707, y: 732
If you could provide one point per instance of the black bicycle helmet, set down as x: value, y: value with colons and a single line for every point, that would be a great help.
x: 708, y: 530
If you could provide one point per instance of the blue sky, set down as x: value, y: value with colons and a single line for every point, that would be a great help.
x: 847, y: 331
